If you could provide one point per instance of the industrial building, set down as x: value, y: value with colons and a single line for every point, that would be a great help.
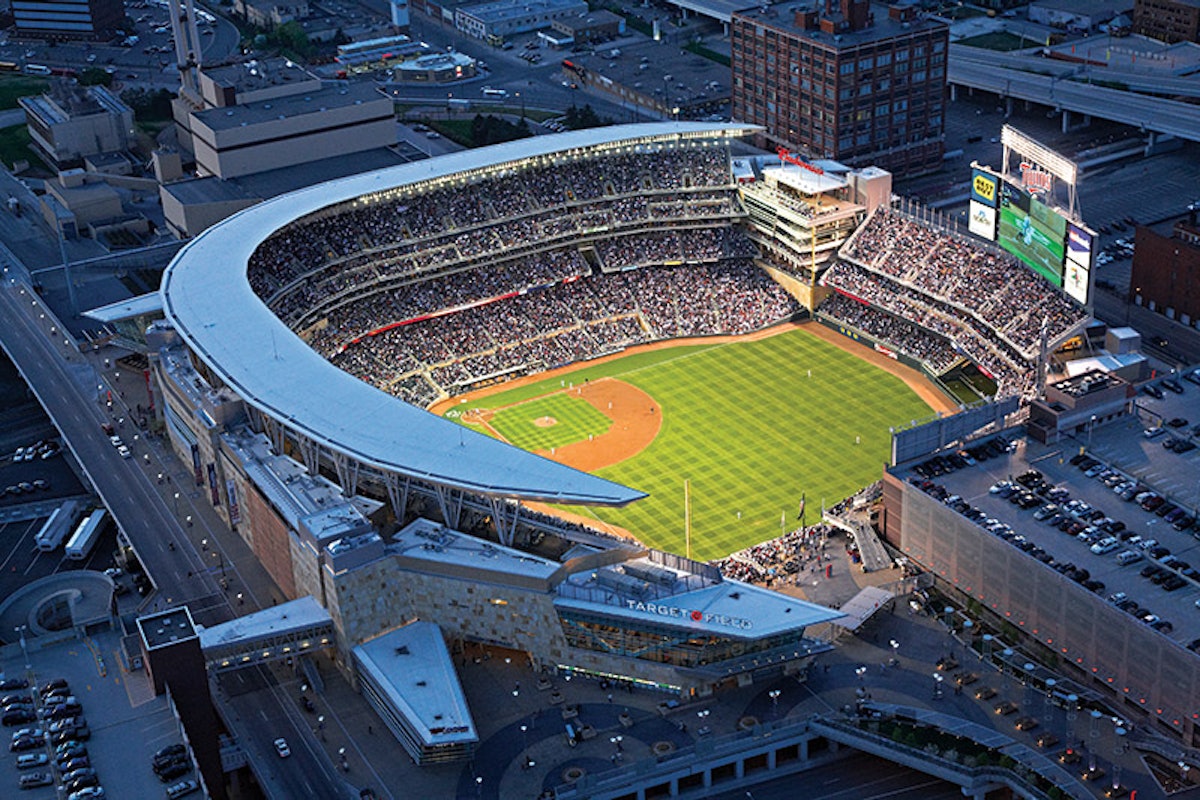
x: 68, y: 19
x: 856, y: 82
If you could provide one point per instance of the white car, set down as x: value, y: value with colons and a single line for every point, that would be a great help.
x: 124, y: 451
x: 281, y: 747
x: 116, y: 441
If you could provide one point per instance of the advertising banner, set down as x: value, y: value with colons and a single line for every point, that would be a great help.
x: 984, y: 188
x: 982, y: 221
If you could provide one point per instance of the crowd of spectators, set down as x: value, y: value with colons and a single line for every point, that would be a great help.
x: 419, y: 227
x: 1012, y: 371
x: 776, y: 558
x: 526, y: 330
x: 994, y: 288
x: 897, y: 333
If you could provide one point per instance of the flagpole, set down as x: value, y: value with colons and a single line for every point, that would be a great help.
x: 687, y: 515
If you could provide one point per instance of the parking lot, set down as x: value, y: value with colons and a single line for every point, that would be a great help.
x: 127, y: 723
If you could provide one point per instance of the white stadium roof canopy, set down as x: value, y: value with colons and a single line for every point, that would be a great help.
x: 207, y: 297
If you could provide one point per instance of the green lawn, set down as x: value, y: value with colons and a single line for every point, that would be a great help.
x: 750, y: 430
x: 14, y: 85
x: 575, y: 420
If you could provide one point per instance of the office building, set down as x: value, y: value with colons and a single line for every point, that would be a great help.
x: 1169, y: 20
x: 68, y: 19
x: 853, y: 82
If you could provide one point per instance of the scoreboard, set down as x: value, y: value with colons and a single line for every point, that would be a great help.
x: 1014, y: 209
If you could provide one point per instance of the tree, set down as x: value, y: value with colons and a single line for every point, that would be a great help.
x: 579, y: 118
x: 148, y: 105
x: 290, y: 36
x: 94, y: 76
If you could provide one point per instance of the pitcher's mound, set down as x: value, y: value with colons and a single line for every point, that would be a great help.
x: 545, y: 422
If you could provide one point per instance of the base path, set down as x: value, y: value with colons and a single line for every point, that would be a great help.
x: 636, y: 419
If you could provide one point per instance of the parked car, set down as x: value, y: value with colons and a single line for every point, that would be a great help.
x: 32, y: 780
x: 1005, y: 708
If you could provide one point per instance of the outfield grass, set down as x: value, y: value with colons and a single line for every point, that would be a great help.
x: 575, y: 419
x: 751, y: 432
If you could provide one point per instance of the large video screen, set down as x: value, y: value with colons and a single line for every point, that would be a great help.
x: 1032, y: 232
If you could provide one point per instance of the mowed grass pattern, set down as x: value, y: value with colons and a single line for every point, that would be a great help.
x: 575, y: 419
x: 750, y: 430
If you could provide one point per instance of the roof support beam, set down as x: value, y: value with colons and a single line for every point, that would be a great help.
x: 347, y: 472
x: 398, y: 489
x: 310, y: 451
x: 450, y: 501
x: 505, y: 515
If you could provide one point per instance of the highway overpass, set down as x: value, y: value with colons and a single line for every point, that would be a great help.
x: 1153, y: 114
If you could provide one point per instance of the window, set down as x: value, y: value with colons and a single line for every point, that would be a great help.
x: 883, y: 59
x: 846, y: 68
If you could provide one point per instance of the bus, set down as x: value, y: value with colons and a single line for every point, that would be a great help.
x: 86, y: 535
x: 490, y: 92
x: 60, y: 523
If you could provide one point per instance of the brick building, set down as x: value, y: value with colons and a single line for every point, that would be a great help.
x: 856, y: 82
x: 1168, y: 20
x: 1166, y: 269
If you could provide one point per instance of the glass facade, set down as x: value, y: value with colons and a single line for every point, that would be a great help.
x: 663, y: 644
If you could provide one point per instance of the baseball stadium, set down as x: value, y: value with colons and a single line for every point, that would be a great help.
x: 571, y: 370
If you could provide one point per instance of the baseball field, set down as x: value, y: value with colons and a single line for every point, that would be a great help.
x: 750, y: 426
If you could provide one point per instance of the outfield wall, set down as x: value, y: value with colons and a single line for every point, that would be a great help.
x: 850, y: 332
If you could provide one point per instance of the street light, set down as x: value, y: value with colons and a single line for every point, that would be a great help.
x: 774, y: 695
x: 20, y: 629
x: 895, y: 651
x: 937, y: 685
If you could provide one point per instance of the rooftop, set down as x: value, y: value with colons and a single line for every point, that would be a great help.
x: 432, y: 542
x: 167, y: 627
x: 205, y: 190
x: 302, y: 500
x: 783, y: 17
x: 412, y: 666
x: 295, y: 105
x: 293, y: 616
x: 1087, y: 382
x: 643, y: 591
x: 499, y: 10
x: 149, y: 303
x: 258, y: 74
x: 207, y: 297
x: 1122, y: 447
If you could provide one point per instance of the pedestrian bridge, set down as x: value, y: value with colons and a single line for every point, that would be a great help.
x: 273, y: 634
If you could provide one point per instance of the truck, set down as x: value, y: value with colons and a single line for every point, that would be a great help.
x: 58, y: 525
x: 86, y: 535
